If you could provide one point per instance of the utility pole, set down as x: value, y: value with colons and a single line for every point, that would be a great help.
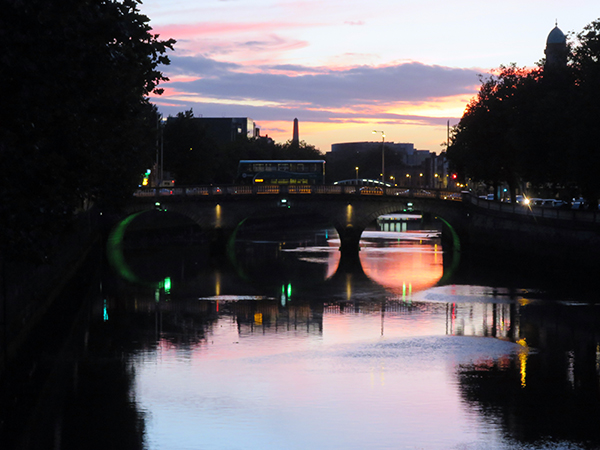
x: 382, y: 154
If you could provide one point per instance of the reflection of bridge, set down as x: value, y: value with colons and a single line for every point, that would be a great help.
x: 350, y: 209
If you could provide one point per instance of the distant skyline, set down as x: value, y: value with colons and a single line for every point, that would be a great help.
x: 347, y: 68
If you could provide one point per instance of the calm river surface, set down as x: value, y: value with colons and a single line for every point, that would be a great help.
x: 281, y: 347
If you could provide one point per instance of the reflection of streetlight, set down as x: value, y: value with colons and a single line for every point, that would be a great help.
x: 382, y: 154
x: 356, y: 168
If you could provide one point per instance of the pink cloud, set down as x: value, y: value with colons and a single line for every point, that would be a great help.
x: 212, y: 29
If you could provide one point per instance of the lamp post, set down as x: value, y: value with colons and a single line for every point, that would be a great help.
x: 160, y: 124
x: 382, y: 154
x: 162, y: 144
x: 356, y: 168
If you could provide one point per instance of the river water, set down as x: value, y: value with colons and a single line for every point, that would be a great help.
x: 280, y: 346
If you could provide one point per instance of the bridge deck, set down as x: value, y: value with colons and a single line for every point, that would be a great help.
x: 213, y: 192
x: 318, y: 189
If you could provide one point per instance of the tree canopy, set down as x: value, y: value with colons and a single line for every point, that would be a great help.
x: 77, y: 126
x: 536, y: 126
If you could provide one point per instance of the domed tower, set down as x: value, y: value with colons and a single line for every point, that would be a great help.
x: 556, y: 49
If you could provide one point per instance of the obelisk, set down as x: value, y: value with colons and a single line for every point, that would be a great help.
x: 296, y: 137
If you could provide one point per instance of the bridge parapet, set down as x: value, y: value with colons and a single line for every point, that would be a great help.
x: 319, y: 189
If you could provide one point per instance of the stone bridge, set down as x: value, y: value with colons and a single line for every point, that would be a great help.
x: 350, y: 209
x: 561, y: 240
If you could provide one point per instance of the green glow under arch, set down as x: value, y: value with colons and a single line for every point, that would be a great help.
x: 114, y: 252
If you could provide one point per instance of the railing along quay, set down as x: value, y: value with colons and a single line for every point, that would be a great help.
x: 556, y: 213
x: 318, y: 189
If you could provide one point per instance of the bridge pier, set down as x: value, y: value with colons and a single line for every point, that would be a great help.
x: 350, y: 243
x: 219, y: 239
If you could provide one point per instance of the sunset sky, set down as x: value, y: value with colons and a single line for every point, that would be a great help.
x: 346, y: 68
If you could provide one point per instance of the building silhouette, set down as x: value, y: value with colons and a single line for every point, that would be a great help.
x: 404, y: 165
x: 228, y: 129
x: 556, y: 50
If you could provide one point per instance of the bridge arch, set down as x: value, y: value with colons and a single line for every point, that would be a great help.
x: 347, y: 208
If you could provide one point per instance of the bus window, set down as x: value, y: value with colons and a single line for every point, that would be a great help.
x: 299, y: 167
x: 258, y: 167
x: 283, y: 167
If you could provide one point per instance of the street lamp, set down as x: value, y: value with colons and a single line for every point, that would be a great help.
x: 382, y: 154
x: 356, y: 168
x: 160, y: 124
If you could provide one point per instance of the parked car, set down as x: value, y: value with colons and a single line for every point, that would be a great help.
x: 552, y: 203
x: 578, y: 204
x: 536, y: 201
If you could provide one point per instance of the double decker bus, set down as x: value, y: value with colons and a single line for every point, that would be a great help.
x: 281, y: 171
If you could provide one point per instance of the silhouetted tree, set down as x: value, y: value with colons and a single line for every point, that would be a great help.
x: 586, y: 108
x: 189, y: 152
x: 484, y: 145
x: 537, y: 126
x: 299, y: 150
x: 77, y: 124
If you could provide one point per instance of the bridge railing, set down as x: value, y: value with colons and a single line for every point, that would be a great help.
x: 573, y: 215
x: 317, y: 189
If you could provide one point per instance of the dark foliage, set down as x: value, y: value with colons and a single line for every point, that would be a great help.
x: 536, y: 126
x: 77, y: 127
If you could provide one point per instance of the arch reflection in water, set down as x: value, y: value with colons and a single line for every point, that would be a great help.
x: 285, y: 252
x: 150, y: 248
x: 402, y: 262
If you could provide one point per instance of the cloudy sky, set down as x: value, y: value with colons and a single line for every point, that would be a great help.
x: 346, y: 67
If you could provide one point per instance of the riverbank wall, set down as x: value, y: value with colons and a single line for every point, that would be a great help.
x: 560, y: 246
